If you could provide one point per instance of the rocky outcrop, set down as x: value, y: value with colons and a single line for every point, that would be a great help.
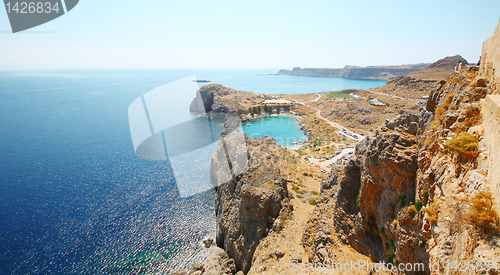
x: 450, y: 176
x: 367, y: 193
x: 248, y: 205
x: 417, y: 192
x: 217, y: 263
x: 337, y: 202
x: 217, y: 101
x: 355, y: 72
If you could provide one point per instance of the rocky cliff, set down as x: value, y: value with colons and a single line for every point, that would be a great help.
x: 248, y: 205
x: 217, y: 101
x: 417, y: 192
x: 355, y: 72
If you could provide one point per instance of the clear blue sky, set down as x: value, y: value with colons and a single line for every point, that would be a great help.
x: 251, y: 34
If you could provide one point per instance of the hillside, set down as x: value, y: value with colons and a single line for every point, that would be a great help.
x: 420, y: 83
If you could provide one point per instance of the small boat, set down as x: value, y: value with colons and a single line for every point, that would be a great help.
x: 268, y: 119
x: 248, y: 124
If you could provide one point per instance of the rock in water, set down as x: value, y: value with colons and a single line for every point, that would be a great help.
x: 208, y: 242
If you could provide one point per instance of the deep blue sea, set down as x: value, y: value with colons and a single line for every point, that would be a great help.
x: 74, y: 197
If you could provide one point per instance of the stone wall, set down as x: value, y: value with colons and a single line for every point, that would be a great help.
x: 490, y: 60
x: 491, y: 122
x: 490, y: 69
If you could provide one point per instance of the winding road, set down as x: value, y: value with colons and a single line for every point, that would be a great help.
x: 343, y: 131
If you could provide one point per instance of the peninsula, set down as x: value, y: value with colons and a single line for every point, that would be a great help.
x: 370, y: 72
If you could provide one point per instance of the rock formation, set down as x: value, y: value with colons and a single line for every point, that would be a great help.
x: 217, y: 263
x: 416, y: 192
x: 219, y: 100
x: 248, y: 205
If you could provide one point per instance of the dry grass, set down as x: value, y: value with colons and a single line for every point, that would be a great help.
x: 433, y: 212
x: 482, y: 213
x: 465, y: 145
x: 412, y: 210
x: 470, y: 75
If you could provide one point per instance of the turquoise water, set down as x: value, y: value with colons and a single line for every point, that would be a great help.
x: 283, y: 129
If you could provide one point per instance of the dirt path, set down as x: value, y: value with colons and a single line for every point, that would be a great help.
x: 275, y: 253
x: 282, y: 252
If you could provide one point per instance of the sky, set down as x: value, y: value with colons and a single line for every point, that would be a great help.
x: 99, y: 34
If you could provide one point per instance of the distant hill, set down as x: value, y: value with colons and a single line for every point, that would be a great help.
x: 440, y: 69
x: 355, y: 72
x: 420, y: 83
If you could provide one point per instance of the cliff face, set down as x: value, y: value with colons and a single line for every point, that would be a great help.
x: 217, y: 100
x: 417, y: 192
x: 453, y: 170
x: 366, y: 195
x: 371, y: 72
x: 248, y: 205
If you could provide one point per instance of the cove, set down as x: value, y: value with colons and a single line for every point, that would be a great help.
x: 284, y: 129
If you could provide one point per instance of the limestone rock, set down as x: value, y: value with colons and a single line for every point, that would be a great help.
x: 219, y: 263
x: 208, y: 242
x: 248, y: 205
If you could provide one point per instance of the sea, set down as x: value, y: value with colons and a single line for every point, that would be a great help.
x: 74, y: 196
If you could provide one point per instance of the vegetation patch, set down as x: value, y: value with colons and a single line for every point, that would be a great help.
x: 412, y: 210
x: 418, y: 205
x: 335, y: 95
x: 465, y: 145
x: 377, y: 102
x: 432, y: 212
x: 481, y: 212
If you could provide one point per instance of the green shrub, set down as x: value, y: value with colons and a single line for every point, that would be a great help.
x: 312, y: 201
x: 314, y: 193
x: 391, y: 256
x: 382, y: 230
x: 425, y: 194
x: 418, y: 205
x: 416, y: 242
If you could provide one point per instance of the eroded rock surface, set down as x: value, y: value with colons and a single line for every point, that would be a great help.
x: 247, y: 206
